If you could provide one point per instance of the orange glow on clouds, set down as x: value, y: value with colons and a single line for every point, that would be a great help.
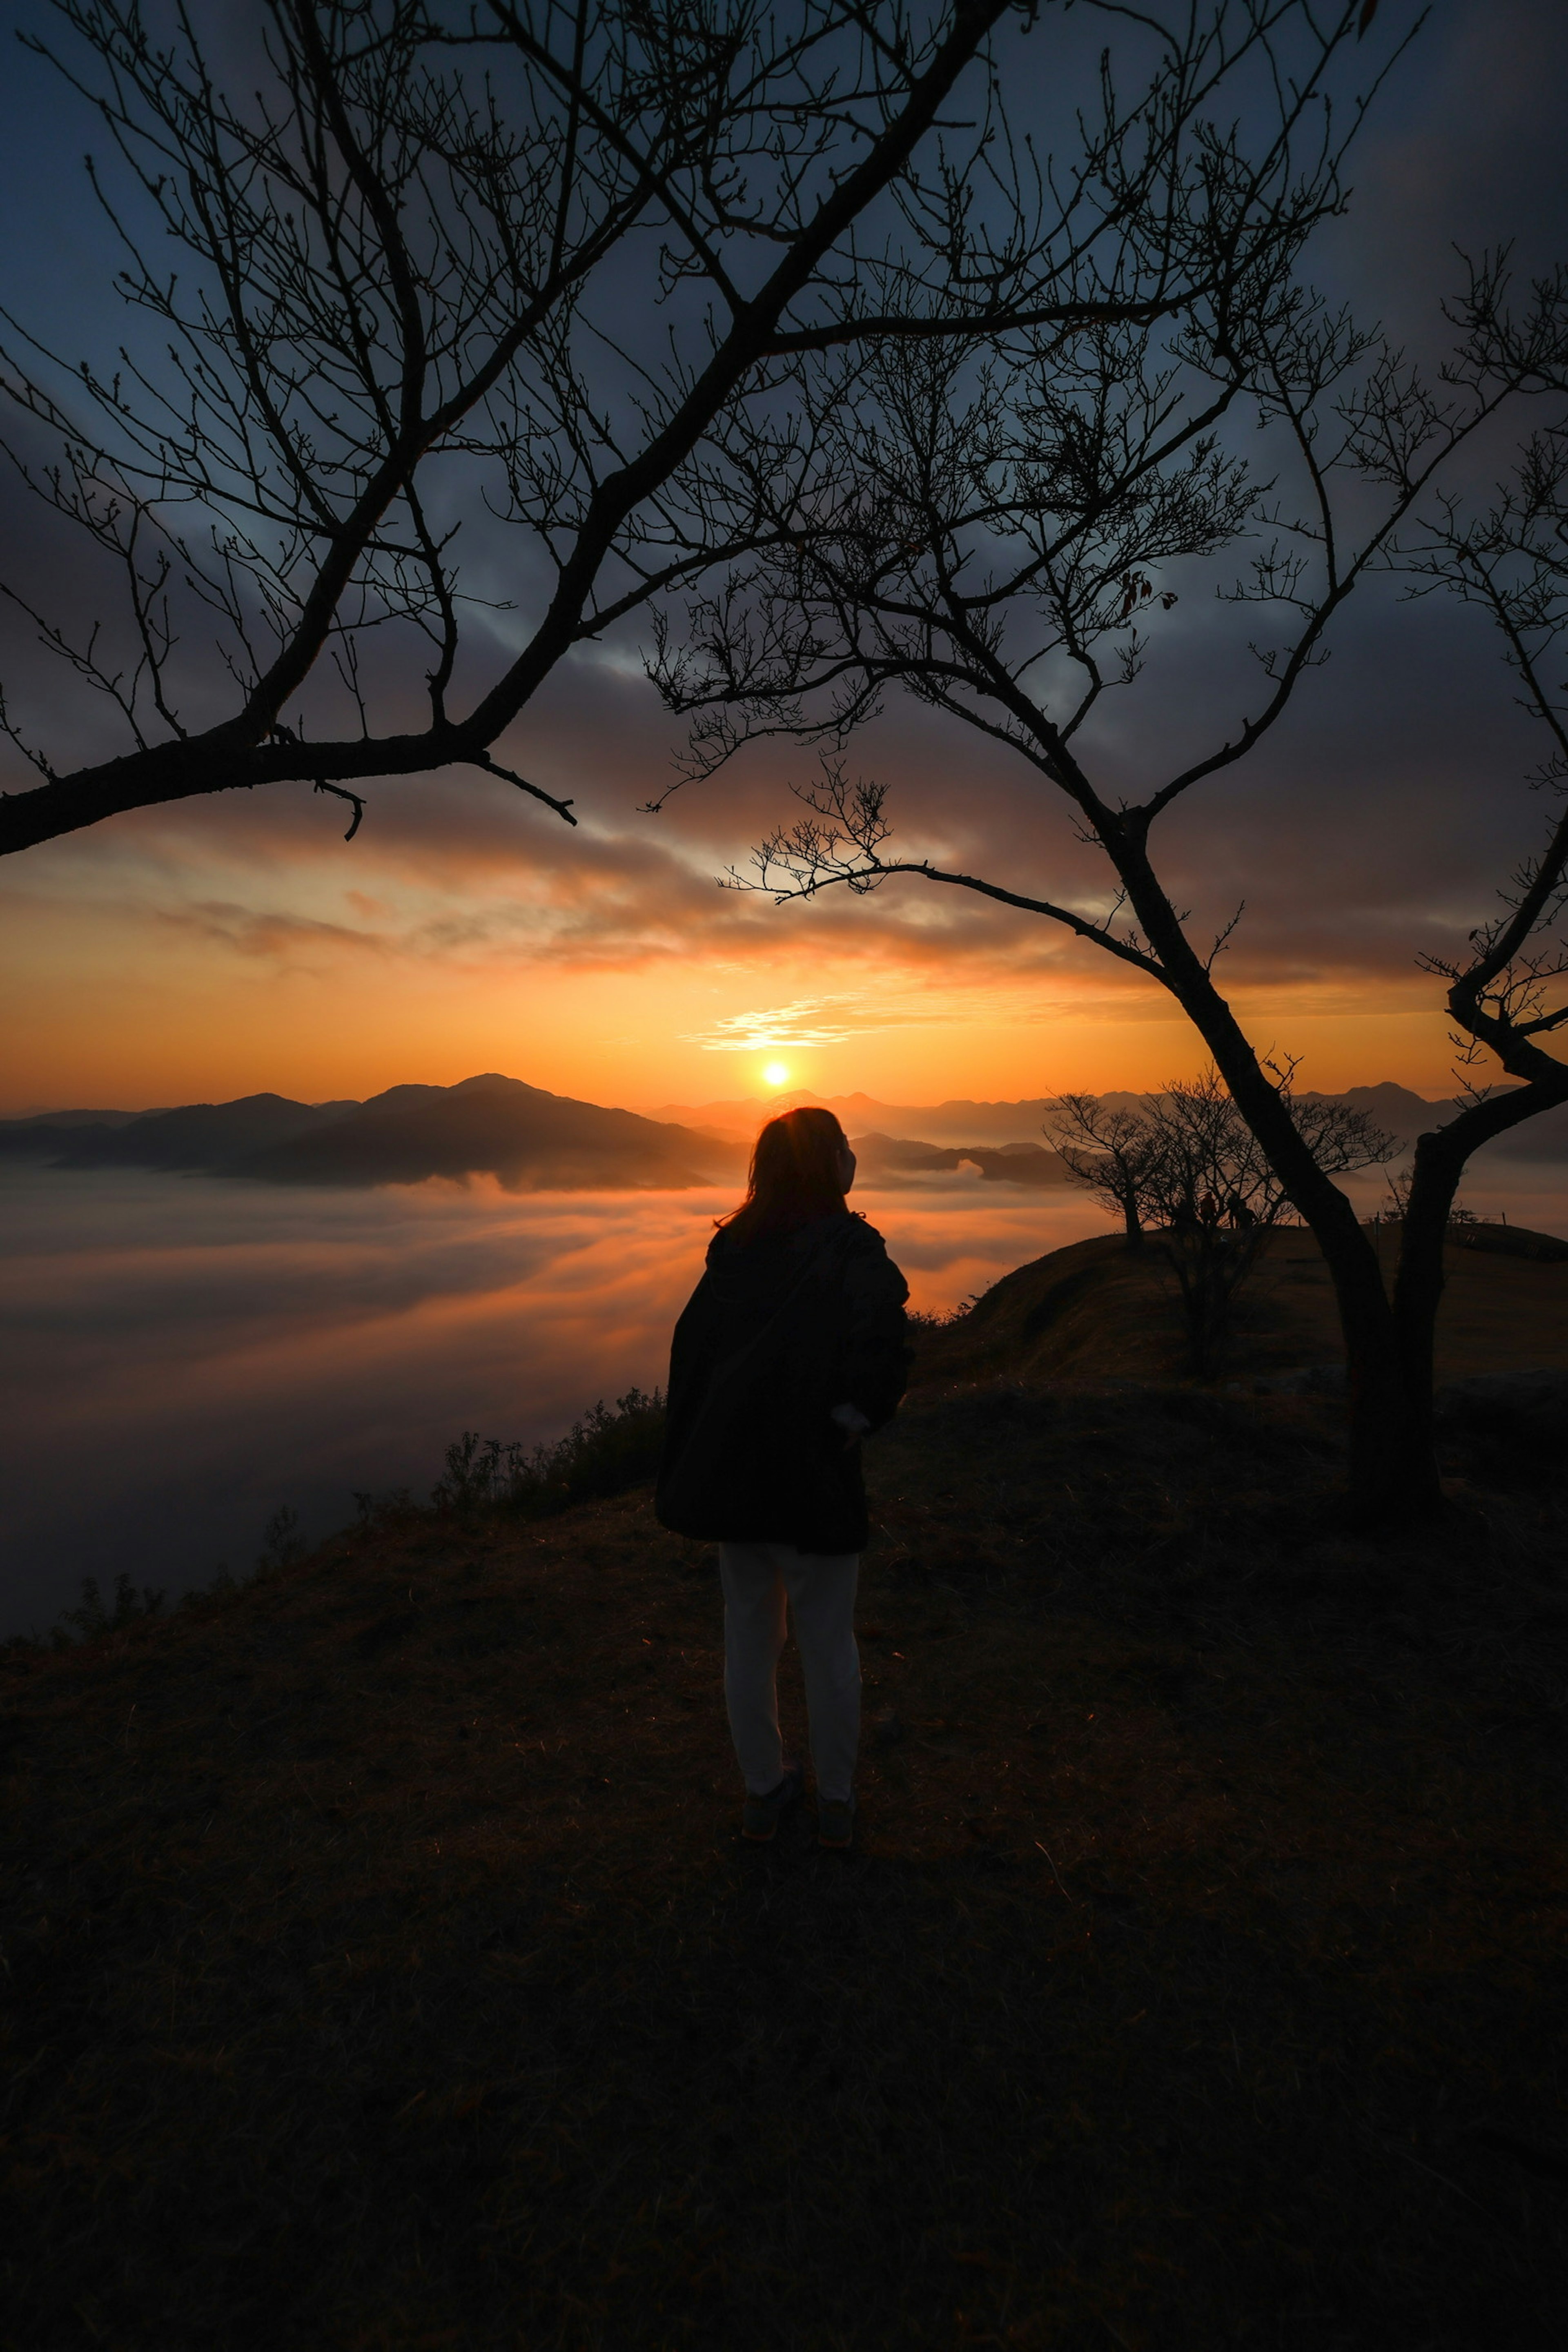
x: 140, y: 970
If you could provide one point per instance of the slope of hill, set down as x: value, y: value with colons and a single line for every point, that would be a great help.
x: 66, y: 1118
x: 1542, y: 1138
x: 1095, y: 1311
x: 382, y: 1968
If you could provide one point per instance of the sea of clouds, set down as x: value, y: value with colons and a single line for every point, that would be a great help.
x: 182, y: 1355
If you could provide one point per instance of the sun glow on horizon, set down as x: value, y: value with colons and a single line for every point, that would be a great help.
x: 775, y: 1074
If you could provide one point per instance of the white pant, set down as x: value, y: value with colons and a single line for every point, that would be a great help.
x: 820, y: 1587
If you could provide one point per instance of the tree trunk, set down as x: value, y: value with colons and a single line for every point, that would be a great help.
x: 1441, y: 1157
x: 1418, y: 1277
x: 1393, y: 1470
x: 1392, y: 1467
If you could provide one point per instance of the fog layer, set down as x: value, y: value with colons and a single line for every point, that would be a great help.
x: 182, y: 1355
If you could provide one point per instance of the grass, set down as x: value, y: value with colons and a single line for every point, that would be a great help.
x: 93, y: 1615
x: 1094, y: 1310
x: 603, y: 1453
x: 386, y: 1972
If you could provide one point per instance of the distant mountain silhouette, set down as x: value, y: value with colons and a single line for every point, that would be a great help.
x: 210, y: 1136
x: 885, y: 1156
x: 944, y: 1124
x: 76, y: 1118
x: 529, y: 1140
x: 956, y: 1123
x: 1395, y: 1107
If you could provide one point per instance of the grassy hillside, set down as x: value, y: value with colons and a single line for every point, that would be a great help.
x: 385, y: 1971
x: 1094, y: 1311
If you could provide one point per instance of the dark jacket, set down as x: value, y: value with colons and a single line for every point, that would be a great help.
x: 777, y: 1332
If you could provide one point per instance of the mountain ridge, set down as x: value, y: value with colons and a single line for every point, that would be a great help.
x: 960, y: 1121
x: 533, y: 1141
x: 529, y: 1140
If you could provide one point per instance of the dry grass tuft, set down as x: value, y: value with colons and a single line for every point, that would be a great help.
x: 385, y: 1973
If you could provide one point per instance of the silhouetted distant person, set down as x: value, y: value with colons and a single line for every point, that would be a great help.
x: 1208, y: 1210
x: 1242, y: 1218
x: 791, y: 1348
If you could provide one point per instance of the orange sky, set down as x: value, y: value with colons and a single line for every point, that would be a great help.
x: 237, y: 944
x: 156, y: 963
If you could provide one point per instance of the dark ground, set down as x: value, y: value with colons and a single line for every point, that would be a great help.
x: 383, y: 1969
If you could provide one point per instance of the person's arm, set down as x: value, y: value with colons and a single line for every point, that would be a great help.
x: 876, y: 1359
x: 849, y: 1419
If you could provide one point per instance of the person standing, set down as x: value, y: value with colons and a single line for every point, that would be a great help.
x: 792, y: 1349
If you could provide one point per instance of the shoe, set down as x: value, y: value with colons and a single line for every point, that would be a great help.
x: 835, y: 1822
x: 761, y: 1818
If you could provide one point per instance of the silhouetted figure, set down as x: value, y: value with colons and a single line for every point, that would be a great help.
x: 1242, y: 1219
x: 791, y: 1348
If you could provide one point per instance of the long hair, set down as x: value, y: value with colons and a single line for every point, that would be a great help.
x: 793, y: 1175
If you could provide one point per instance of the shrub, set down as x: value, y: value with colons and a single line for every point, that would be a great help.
x: 394, y: 1507
x: 602, y: 1454
x: 92, y: 1616
x: 282, y: 1543
x: 921, y: 1322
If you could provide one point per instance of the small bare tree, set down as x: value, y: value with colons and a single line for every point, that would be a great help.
x: 999, y: 537
x: 494, y: 272
x: 1111, y: 1152
x: 1187, y: 1164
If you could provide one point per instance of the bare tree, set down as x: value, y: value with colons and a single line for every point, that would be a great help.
x: 1111, y: 1152
x: 1507, y: 996
x: 1187, y: 1165
x: 999, y: 535
x: 494, y: 271
x: 420, y: 280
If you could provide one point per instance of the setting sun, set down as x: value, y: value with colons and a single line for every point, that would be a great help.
x: 777, y: 1073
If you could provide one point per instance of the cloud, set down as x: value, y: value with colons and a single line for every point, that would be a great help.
x: 273, y: 935
x: 820, y: 1021
x: 294, y: 1347
x: 214, y: 1349
x: 1373, y: 826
